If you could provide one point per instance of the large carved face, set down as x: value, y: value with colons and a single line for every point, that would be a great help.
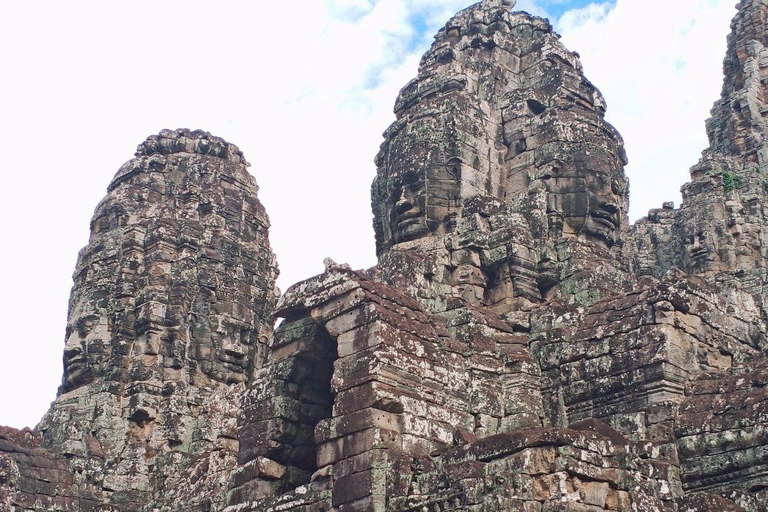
x: 423, y: 201
x: 418, y: 183
x: 224, y: 347
x: 586, y: 191
x: 233, y: 350
x: 408, y: 216
x: 88, y: 348
x: 700, y: 252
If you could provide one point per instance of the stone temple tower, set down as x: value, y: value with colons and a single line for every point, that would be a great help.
x: 501, y: 123
x: 169, y: 317
x: 720, y: 228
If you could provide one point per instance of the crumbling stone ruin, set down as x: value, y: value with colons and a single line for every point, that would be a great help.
x: 519, y: 346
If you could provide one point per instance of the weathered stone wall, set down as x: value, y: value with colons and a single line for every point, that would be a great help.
x: 31, y: 478
x: 534, y: 469
x: 404, y: 383
x: 396, y: 384
x: 720, y: 227
x: 722, y: 435
x: 640, y: 349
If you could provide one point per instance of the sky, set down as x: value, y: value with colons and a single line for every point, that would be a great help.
x: 305, y: 89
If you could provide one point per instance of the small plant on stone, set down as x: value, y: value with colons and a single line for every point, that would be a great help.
x: 730, y: 181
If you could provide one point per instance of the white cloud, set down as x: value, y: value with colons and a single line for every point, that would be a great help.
x: 88, y: 80
x: 305, y: 89
x: 660, y: 70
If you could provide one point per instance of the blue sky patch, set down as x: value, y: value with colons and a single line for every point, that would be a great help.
x: 420, y: 26
x: 556, y: 8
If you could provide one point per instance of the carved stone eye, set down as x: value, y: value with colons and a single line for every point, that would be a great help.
x: 536, y: 107
x: 85, y: 325
x: 395, y: 193
x: 453, y: 168
x: 410, y: 177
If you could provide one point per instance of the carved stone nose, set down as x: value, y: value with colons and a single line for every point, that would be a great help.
x: 403, y: 204
x: 234, y: 350
x: 73, y: 345
x: 72, y: 351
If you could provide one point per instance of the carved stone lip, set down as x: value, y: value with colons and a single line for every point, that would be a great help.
x: 410, y: 214
x: 605, y: 220
x: 609, y: 225
x: 605, y: 217
x: 236, y: 365
x: 407, y: 219
x: 404, y: 221
x: 702, y: 253
x: 76, y: 363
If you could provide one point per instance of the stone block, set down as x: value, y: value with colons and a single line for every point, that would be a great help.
x: 333, y: 428
x: 372, y: 459
x: 352, y: 319
x: 254, y: 490
x: 594, y: 493
x: 370, y: 394
x: 258, y: 468
x: 371, y: 483
x: 548, y: 487
x: 355, y: 444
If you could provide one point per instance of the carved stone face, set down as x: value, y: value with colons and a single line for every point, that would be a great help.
x: 233, y: 349
x: 587, y: 192
x: 88, y: 348
x: 224, y: 348
x: 408, y: 217
x: 700, y: 250
x: 603, y: 192
x: 417, y: 190
x: 422, y: 202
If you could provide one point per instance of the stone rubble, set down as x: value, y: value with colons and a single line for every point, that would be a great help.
x: 519, y: 346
